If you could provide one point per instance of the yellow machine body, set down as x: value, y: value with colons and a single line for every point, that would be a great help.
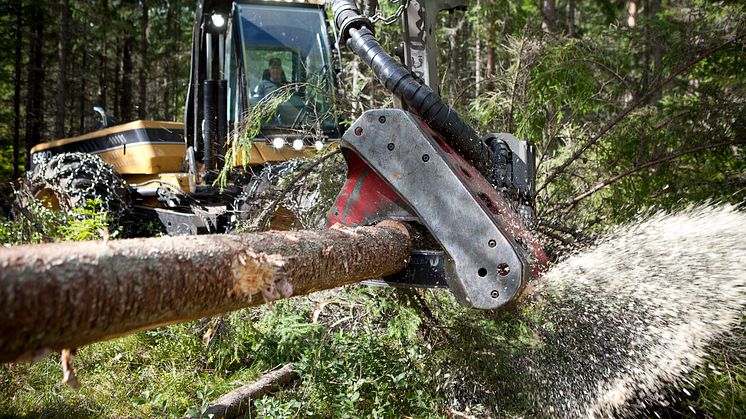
x: 143, y: 152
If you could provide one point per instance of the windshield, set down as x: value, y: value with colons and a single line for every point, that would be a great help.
x: 286, y: 56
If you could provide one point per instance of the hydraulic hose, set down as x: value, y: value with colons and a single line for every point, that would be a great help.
x: 357, y: 31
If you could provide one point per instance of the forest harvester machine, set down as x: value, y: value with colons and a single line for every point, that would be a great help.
x: 472, y: 196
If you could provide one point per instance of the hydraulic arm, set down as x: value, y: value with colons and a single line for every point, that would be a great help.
x: 426, y: 164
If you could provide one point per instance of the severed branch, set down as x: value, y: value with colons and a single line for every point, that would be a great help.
x: 573, y: 202
x: 240, y: 400
x: 632, y: 106
x: 265, y: 215
x: 66, y: 295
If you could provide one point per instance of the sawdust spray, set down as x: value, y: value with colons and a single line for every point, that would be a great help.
x: 631, y: 317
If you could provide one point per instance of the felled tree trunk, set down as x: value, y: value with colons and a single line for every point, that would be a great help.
x: 240, y: 400
x: 66, y: 295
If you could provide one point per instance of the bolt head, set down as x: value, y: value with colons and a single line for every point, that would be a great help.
x: 382, y: 119
x: 390, y: 146
x: 503, y: 269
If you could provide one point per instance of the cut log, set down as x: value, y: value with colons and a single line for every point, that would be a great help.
x: 238, y: 401
x: 66, y: 295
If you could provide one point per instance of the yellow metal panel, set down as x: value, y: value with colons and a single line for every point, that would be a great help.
x: 146, y: 158
x: 254, y: 157
x: 271, y: 154
x: 175, y: 126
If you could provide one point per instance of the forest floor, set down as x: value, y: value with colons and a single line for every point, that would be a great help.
x: 359, y: 351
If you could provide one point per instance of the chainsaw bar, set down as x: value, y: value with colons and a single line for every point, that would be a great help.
x: 426, y: 269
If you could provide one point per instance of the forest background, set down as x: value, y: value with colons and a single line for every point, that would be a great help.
x: 634, y: 106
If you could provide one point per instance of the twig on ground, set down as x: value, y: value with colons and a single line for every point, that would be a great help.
x: 241, y: 399
x: 69, y: 373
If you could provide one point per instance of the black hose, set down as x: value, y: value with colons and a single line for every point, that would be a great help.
x: 356, y: 31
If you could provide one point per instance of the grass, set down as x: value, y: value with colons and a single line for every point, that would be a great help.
x: 360, y: 351
x: 363, y: 354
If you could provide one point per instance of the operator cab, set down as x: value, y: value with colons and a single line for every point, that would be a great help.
x: 291, y: 44
x: 268, y: 58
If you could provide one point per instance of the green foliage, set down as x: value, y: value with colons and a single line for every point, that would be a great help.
x: 377, y: 352
x: 241, y: 140
x: 680, y: 139
x: 38, y: 224
x: 87, y: 223
x: 362, y: 355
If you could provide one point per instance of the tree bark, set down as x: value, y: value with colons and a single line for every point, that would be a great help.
x: 63, y: 47
x: 453, y: 51
x: 66, y: 295
x: 144, y: 64
x: 117, y: 85
x: 167, y: 59
x: 490, y: 70
x: 103, y: 65
x: 656, y: 49
x: 238, y: 401
x: 17, y: 90
x: 125, y: 93
x: 35, y: 82
x: 82, y: 93
x: 571, y: 18
x: 548, y: 16
x: 478, y: 61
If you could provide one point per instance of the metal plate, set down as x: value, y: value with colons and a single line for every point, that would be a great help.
x: 485, y: 268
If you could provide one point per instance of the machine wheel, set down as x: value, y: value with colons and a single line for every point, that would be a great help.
x: 304, y: 206
x: 66, y: 181
x: 261, y: 191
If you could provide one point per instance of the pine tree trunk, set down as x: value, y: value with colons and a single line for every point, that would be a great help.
x: 477, y: 61
x: 656, y: 51
x: 452, y: 66
x: 144, y: 64
x: 35, y: 82
x: 82, y: 94
x: 126, y: 86
x: 63, y: 46
x: 103, y: 66
x: 17, y: 90
x: 117, y: 84
x: 65, y: 295
x: 548, y: 16
x: 490, y: 70
x: 571, y: 18
x: 168, y: 59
